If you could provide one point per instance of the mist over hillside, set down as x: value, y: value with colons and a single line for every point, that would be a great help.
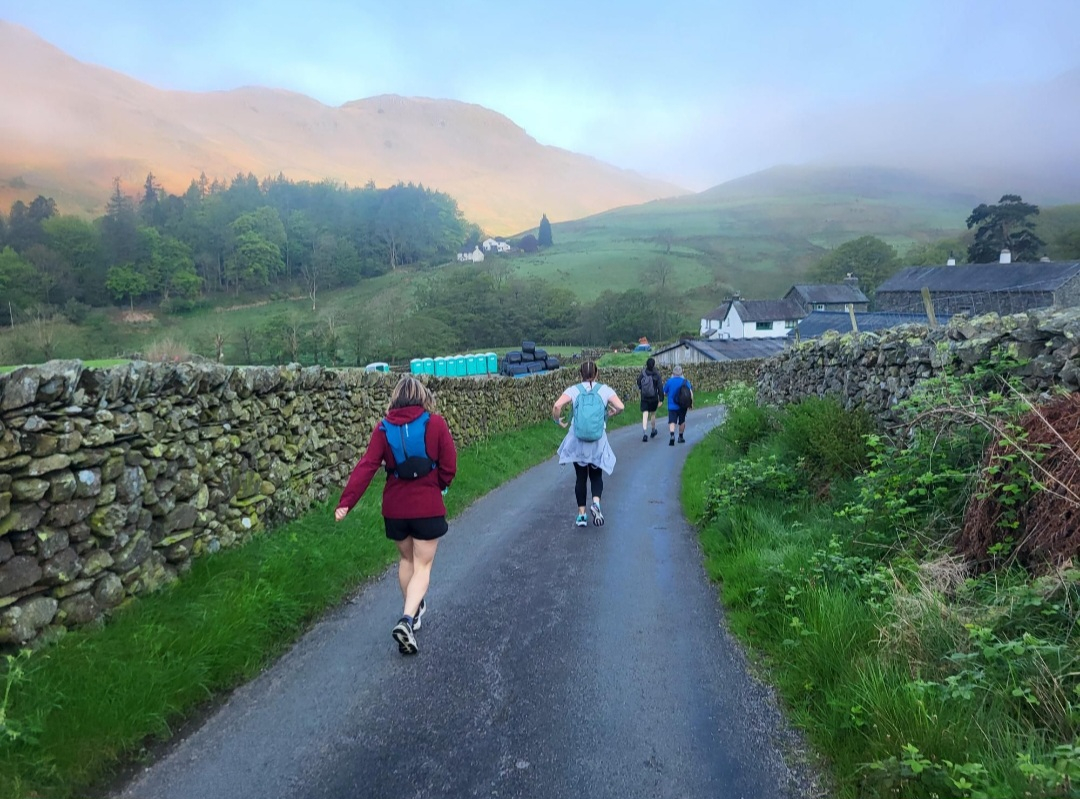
x: 1015, y: 138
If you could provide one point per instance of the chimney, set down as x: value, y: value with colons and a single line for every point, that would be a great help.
x: 1006, y: 257
x: 851, y: 280
x: 951, y: 261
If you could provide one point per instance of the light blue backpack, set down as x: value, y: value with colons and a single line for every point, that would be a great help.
x: 590, y: 413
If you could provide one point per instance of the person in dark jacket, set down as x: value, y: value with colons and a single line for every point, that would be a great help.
x: 413, y: 511
x: 651, y: 386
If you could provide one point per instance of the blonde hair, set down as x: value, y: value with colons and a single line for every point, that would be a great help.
x: 409, y: 392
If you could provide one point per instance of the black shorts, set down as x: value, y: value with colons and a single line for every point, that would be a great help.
x: 650, y: 405
x: 427, y: 529
x: 677, y: 416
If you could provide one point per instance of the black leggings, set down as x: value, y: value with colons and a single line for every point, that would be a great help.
x: 594, y: 475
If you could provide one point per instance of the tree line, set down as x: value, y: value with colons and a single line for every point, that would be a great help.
x: 217, y: 237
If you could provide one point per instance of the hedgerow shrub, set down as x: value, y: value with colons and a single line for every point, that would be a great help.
x: 746, y: 422
x: 830, y: 440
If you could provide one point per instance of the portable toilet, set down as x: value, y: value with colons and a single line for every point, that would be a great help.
x: 440, y: 367
x: 470, y: 364
x: 416, y: 366
x: 492, y: 363
x: 429, y: 366
x: 459, y: 366
x: 481, y: 363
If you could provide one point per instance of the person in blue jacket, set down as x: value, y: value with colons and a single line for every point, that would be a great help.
x: 676, y: 414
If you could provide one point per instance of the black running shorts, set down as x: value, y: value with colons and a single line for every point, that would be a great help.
x: 677, y: 416
x: 650, y: 405
x: 427, y: 529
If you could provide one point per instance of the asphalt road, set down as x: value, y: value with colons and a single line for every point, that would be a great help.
x: 554, y: 662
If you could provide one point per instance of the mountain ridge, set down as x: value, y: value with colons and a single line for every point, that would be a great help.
x: 68, y: 128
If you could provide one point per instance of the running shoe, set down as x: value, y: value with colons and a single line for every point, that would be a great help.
x: 653, y: 433
x: 420, y: 611
x: 406, y: 640
x: 597, y: 516
x: 671, y: 441
x: 644, y: 437
x: 682, y: 440
x: 581, y: 521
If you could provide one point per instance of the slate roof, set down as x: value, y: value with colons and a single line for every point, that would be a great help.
x: 818, y: 322
x: 1041, y: 276
x: 768, y: 310
x: 719, y: 312
x: 833, y: 294
x: 734, y: 349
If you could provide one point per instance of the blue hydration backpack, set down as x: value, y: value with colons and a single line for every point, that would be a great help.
x: 409, y: 438
x: 590, y: 413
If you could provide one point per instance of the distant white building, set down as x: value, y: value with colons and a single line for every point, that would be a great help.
x: 495, y: 244
x: 475, y: 256
x: 753, y: 319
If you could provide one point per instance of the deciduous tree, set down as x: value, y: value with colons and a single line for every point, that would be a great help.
x: 868, y: 258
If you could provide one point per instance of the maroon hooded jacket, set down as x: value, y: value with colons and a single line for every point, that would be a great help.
x: 406, y: 499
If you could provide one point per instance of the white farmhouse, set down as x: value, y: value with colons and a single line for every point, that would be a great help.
x: 752, y: 319
x: 496, y: 245
x: 475, y: 256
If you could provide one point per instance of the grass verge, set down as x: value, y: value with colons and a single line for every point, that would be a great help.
x: 77, y: 710
x: 910, y: 677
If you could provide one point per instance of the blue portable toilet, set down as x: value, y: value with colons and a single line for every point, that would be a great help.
x: 416, y: 366
x: 492, y: 363
x: 428, y: 366
x: 470, y: 364
x: 481, y: 363
x: 440, y: 367
x: 459, y: 366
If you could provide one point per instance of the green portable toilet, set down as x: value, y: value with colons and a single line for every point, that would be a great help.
x: 440, y: 367
x: 470, y: 364
x: 416, y: 366
x: 492, y: 363
x: 429, y: 366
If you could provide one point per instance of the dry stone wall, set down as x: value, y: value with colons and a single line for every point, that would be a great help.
x: 113, y: 480
x: 877, y: 370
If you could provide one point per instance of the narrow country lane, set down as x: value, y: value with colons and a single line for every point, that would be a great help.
x: 555, y: 662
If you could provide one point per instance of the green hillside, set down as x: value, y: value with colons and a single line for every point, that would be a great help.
x: 757, y: 235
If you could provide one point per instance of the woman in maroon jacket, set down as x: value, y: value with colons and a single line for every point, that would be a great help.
x: 412, y: 503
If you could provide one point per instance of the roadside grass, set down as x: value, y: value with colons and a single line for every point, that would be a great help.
x: 903, y: 687
x: 90, y: 703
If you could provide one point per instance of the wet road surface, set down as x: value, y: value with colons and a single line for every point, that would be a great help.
x: 554, y: 662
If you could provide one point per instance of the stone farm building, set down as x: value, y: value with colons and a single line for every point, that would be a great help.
x: 1003, y: 288
x: 697, y: 351
x: 829, y: 297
